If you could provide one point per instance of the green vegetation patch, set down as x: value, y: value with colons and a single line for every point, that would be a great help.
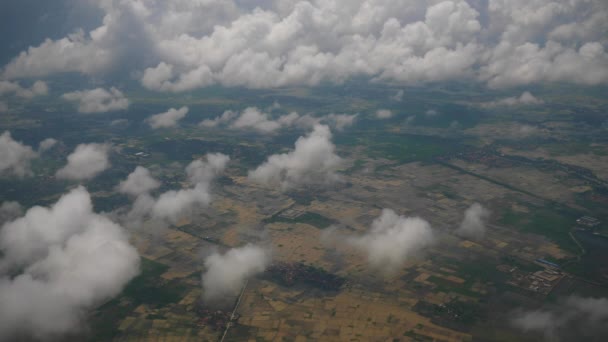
x: 553, y: 224
x: 310, y: 218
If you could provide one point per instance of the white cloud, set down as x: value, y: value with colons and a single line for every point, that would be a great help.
x: 205, y: 171
x: 15, y: 157
x: 313, y: 161
x: 37, y: 89
x: 525, y: 99
x: 384, y: 114
x: 226, y: 274
x: 255, y: 119
x: 168, y: 118
x: 340, y: 121
x: 9, y: 210
x: 86, y: 162
x: 68, y: 259
x: 138, y: 182
x: 474, y: 223
x: 394, y: 239
x: 46, y: 144
x: 223, y: 119
x: 172, y: 205
x: 184, y: 45
x: 98, y: 100
x: 573, y: 318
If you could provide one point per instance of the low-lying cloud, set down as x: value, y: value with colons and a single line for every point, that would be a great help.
x: 98, y: 100
x: 167, y: 119
x: 393, y: 239
x: 312, y: 162
x: 384, y: 114
x: 226, y: 273
x: 86, y: 162
x: 252, y: 118
x: 525, y: 99
x: 15, y: 157
x: 37, y: 89
x: 68, y: 258
x: 9, y: 211
x: 572, y: 319
x: 138, y: 182
x: 473, y: 225
x: 171, y: 205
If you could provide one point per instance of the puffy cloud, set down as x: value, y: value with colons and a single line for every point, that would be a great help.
x: 393, y: 239
x: 37, y: 89
x: 183, y: 45
x: 473, y: 225
x: 340, y: 121
x: 573, y: 318
x: 138, y: 182
x: 70, y: 54
x: 223, y: 119
x: 168, y: 118
x: 15, y: 157
x: 9, y: 210
x: 255, y: 119
x: 46, y: 144
x: 85, y: 162
x: 226, y: 274
x: 3, y: 107
x: 205, y: 171
x: 98, y: 100
x: 527, y: 63
x: 384, y: 114
x: 161, y: 78
x: 170, y: 206
x: 69, y: 260
x: 525, y: 99
x: 313, y: 161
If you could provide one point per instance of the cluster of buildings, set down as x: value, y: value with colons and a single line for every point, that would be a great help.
x: 539, y: 282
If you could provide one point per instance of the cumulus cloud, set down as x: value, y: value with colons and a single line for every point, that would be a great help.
x: 37, y: 89
x: 98, y: 100
x: 184, y: 45
x: 68, y: 258
x: 138, y: 182
x: 170, y: 206
x: 226, y: 274
x: 168, y: 118
x: 86, y: 162
x: 15, y: 157
x: 573, y: 318
x: 9, y: 210
x: 200, y: 171
x: 46, y: 144
x: 257, y: 120
x: 313, y: 161
x: 223, y: 119
x: 393, y: 239
x: 384, y: 114
x: 525, y: 99
x: 474, y: 223
x: 340, y: 121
